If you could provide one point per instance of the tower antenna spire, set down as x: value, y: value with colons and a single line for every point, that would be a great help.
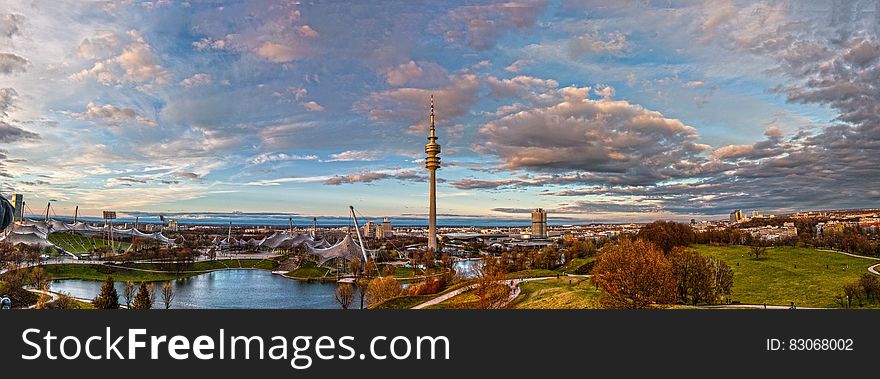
x: 432, y: 163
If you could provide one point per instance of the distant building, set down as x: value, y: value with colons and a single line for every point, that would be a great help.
x: 384, y: 230
x: 539, y: 223
x: 18, y: 206
x: 736, y: 216
x: 172, y: 226
x: 369, y: 229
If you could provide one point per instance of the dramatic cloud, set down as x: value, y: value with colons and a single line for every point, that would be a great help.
x: 10, y: 134
x: 11, y: 64
x: 413, y: 73
x: 136, y: 63
x: 616, y: 141
x: 410, y: 104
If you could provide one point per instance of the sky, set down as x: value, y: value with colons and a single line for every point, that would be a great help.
x: 598, y: 111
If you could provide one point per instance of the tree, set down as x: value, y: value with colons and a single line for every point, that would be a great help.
x: 722, y: 278
x: 107, y: 298
x: 363, y: 286
x: 693, y: 276
x: 167, y: 294
x: 870, y: 287
x: 345, y: 295
x: 142, y: 299
x: 354, y: 266
x: 634, y: 274
x: 758, y: 252
x: 491, y: 288
x: 667, y: 234
x: 381, y: 289
x: 128, y: 291
x: 39, y: 278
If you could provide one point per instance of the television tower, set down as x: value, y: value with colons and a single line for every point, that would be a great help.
x: 432, y: 162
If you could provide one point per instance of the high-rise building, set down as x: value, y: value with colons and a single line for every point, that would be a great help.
x: 736, y: 216
x: 539, y: 223
x: 17, y: 206
x: 432, y: 163
x: 369, y: 229
x: 384, y: 230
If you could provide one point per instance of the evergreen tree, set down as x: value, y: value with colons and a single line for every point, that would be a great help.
x: 107, y: 298
x: 142, y: 299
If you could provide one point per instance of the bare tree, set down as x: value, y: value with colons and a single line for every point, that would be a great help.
x: 345, y: 295
x: 167, y: 294
x: 128, y: 291
x: 151, y: 294
x: 758, y: 252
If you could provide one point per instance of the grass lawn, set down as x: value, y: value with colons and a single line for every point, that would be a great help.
x: 573, y: 265
x: 533, y: 273
x: 406, y: 272
x: 808, y: 277
x: 308, y: 270
x: 101, y: 272
x: 403, y: 302
x: 465, y: 300
x: 265, y: 264
x: 562, y: 293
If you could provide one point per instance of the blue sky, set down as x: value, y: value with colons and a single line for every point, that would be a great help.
x: 595, y: 110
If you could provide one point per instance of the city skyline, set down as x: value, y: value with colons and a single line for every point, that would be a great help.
x: 594, y: 111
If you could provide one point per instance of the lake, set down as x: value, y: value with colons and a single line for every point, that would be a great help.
x: 238, y: 289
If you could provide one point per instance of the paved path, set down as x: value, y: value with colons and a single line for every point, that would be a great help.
x: 53, y: 295
x: 510, y: 282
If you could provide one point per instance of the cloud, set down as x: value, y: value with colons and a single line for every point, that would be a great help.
x: 187, y: 175
x: 307, y: 31
x: 410, y: 105
x: 614, y: 140
x: 353, y: 155
x: 518, y: 65
x: 312, y: 106
x: 8, y: 97
x: 11, y: 134
x: 518, y: 86
x: 10, y: 24
x: 100, y: 46
x: 136, y: 63
x: 481, y: 26
x: 200, y: 79
x: 369, y: 177
x: 614, y: 43
x: 417, y: 73
x: 11, y: 64
x: 280, y: 157
x: 277, y: 53
x: 111, y: 115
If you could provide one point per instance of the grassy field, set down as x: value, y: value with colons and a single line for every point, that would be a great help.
x: 77, y: 244
x: 308, y: 270
x: 265, y: 264
x: 562, y: 293
x: 807, y: 277
x: 573, y: 265
x: 534, y: 273
x: 101, y: 272
x: 403, y: 302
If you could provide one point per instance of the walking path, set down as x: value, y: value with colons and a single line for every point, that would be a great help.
x: 510, y: 282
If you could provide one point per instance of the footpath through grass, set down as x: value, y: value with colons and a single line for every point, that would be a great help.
x: 808, y: 277
x: 562, y: 293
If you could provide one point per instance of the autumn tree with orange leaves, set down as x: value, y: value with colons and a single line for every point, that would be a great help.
x: 634, y: 274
